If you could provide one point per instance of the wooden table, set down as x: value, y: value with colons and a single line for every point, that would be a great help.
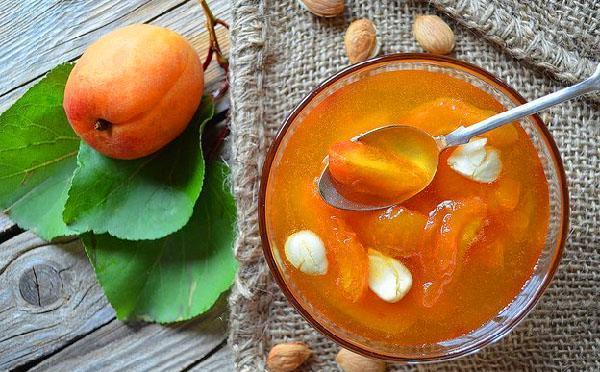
x: 53, y: 313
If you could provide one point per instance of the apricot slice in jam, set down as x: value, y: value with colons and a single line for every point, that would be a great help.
x: 503, y: 136
x: 443, y: 115
x: 396, y: 232
x: 506, y: 195
x: 492, y: 255
x: 350, y: 260
x: 370, y: 170
x: 451, y: 228
x: 521, y: 218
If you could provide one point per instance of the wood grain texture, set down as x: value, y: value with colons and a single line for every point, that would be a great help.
x: 221, y: 361
x: 53, y: 314
x: 142, y: 347
x: 76, y: 307
x: 40, y: 31
x: 37, y: 35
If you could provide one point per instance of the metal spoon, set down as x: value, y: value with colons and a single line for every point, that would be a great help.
x: 421, y: 147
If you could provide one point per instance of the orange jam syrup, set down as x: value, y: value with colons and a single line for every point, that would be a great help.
x: 469, y: 246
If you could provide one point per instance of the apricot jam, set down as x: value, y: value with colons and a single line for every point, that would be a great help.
x: 470, y: 246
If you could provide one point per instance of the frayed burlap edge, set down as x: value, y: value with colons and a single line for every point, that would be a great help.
x: 248, y: 37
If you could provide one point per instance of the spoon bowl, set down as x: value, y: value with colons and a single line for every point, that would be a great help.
x: 412, y: 143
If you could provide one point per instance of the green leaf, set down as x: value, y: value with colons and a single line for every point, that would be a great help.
x: 177, y: 277
x: 37, y: 157
x: 147, y: 198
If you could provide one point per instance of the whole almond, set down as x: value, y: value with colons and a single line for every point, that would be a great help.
x: 361, y: 40
x: 433, y: 34
x: 324, y: 8
x: 352, y: 362
x: 287, y: 357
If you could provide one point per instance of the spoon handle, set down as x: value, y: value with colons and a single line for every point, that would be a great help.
x: 464, y: 134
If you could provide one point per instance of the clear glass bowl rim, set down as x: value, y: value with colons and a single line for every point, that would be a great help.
x: 408, y: 57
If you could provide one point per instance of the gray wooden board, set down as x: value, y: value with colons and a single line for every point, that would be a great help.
x: 53, y: 314
x: 146, y: 347
x: 39, y: 316
x: 220, y: 361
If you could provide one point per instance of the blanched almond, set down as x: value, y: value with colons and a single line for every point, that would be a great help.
x: 388, y: 277
x: 490, y: 168
x: 306, y: 252
x: 476, y: 161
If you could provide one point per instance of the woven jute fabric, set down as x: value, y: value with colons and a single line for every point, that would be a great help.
x: 280, y: 52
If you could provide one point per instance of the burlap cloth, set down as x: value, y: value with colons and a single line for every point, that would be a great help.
x: 279, y: 52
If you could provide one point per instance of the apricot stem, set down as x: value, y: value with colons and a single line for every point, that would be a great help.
x: 102, y: 124
x: 214, y: 46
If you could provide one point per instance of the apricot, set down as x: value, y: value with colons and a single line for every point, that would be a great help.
x: 350, y: 260
x: 443, y: 115
x: 506, y: 194
x: 397, y: 231
x: 373, y: 171
x: 451, y: 229
x: 134, y: 90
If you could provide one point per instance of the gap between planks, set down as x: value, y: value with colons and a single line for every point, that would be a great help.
x: 141, y: 346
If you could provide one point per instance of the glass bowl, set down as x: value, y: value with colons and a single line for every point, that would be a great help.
x: 547, y: 263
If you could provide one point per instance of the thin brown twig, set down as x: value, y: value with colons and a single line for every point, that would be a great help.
x: 222, y: 23
x: 207, y: 61
x: 214, y: 47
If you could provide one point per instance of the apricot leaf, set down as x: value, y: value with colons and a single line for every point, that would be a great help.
x: 179, y: 276
x: 37, y: 157
x: 147, y: 198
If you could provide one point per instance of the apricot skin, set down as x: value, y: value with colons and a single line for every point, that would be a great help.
x: 145, y: 81
x: 370, y: 170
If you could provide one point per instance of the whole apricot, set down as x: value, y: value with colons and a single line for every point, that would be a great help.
x: 134, y: 90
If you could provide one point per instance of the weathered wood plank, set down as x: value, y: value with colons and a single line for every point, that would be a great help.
x: 49, y: 297
x: 142, y: 347
x: 221, y: 361
x: 52, y: 298
x: 35, y: 33
x: 41, y: 318
x: 34, y: 45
